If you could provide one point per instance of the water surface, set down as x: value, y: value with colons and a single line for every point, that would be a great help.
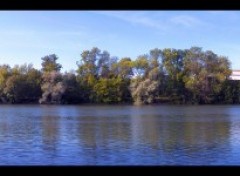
x: 119, y: 135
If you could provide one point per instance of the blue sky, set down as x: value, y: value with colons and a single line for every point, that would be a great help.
x: 26, y: 36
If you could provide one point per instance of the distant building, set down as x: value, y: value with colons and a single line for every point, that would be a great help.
x: 235, y: 75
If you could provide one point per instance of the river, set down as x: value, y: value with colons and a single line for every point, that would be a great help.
x: 119, y: 135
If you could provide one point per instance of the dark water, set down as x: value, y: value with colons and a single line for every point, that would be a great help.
x: 119, y: 135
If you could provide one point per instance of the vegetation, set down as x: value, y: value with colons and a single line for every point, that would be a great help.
x: 190, y: 76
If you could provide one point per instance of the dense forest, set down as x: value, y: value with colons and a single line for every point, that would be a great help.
x: 189, y: 76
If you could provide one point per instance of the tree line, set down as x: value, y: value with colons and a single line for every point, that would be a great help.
x: 177, y: 76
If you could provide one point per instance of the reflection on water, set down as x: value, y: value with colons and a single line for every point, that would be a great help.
x: 50, y: 132
x: 119, y: 135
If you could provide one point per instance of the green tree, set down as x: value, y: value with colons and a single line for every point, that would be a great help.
x: 49, y: 63
x: 23, y: 85
x: 141, y: 66
x: 205, y: 73
x: 124, y: 68
x: 5, y: 72
x: 112, y: 90
x: 173, y: 64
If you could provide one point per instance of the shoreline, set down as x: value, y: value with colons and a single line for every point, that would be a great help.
x: 116, y: 104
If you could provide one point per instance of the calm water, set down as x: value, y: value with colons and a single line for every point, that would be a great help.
x: 119, y: 135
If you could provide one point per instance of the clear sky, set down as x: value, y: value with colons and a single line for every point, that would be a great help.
x: 26, y: 36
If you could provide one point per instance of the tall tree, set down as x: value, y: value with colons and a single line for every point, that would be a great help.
x: 141, y: 66
x: 5, y: 72
x: 103, y: 65
x: 205, y: 73
x: 52, y: 85
x: 49, y: 63
x: 173, y: 65
x: 125, y: 68
x: 88, y: 73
